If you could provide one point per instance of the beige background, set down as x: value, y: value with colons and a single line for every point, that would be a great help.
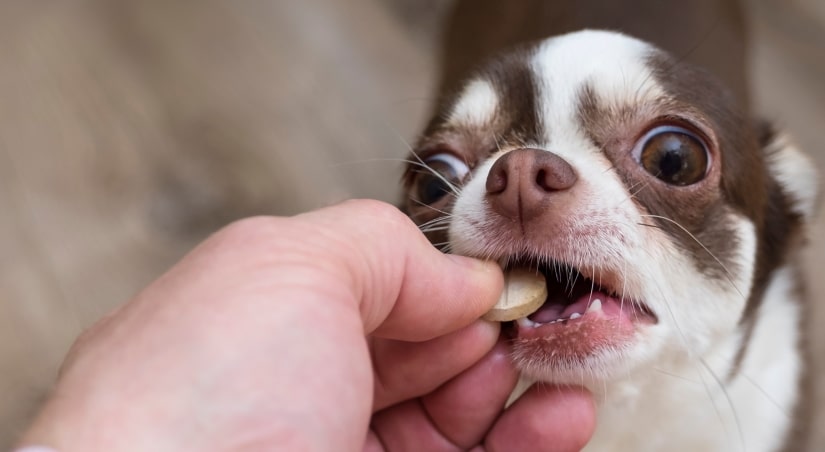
x: 129, y: 130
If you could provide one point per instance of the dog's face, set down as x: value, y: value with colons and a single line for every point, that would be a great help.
x: 630, y: 180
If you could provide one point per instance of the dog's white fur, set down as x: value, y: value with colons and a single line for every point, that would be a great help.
x: 796, y: 172
x: 669, y: 390
x: 477, y: 104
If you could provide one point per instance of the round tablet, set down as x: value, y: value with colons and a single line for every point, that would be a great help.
x: 524, y: 292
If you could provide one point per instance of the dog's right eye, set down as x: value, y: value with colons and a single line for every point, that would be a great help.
x: 442, y: 176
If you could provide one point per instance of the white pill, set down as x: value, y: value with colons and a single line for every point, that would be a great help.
x: 524, y: 292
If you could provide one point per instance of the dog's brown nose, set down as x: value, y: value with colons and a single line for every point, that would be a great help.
x: 521, y: 181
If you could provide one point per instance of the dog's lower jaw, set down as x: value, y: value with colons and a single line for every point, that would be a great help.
x: 702, y: 402
x: 572, y: 357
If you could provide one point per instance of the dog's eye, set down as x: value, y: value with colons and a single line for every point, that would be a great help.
x: 674, y: 154
x: 445, y: 172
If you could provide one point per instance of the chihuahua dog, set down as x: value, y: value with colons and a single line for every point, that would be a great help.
x: 664, y: 218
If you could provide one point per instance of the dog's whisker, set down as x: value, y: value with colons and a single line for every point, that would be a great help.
x: 421, y: 163
x: 427, y: 230
x: 729, y: 400
x: 679, y: 377
x: 767, y: 396
x: 428, y: 206
x: 707, y: 250
x: 438, y: 221
x: 443, y: 221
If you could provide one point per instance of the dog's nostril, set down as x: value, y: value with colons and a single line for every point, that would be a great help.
x: 496, y: 180
x: 541, y: 181
x: 554, y: 173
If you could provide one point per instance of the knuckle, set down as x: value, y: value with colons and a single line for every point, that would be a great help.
x: 381, y: 213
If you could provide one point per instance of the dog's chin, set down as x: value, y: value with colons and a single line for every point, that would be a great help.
x: 586, y: 331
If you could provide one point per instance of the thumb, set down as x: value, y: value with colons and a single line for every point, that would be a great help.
x: 405, y: 288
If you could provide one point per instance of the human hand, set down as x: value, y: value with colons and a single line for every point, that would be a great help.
x: 307, y: 333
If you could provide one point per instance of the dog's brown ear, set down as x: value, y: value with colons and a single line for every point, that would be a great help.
x: 794, y: 172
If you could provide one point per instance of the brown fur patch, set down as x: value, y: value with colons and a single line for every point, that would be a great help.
x: 517, y: 120
x: 516, y: 124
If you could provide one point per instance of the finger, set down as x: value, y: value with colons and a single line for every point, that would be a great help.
x: 464, y: 408
x: 406, y: 427
x: 546, y: 418
x: 457, y: 415
x: 406, y: 289
x: 404, y: 370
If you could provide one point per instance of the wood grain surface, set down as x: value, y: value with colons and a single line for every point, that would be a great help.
x: 130, y: 130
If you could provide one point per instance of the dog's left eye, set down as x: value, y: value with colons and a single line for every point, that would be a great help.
x: 674, y: 155
x: 445, y: 172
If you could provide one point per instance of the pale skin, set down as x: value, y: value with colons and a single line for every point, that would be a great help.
x: 341, y: 329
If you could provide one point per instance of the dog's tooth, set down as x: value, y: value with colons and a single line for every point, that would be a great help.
x: 575, y: 316
x: 524, y: 322
x: 595, y: 305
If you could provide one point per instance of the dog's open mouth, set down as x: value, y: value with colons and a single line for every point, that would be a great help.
x: 580, y: 316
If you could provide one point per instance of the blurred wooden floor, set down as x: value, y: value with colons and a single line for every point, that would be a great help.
x: 129, y: 130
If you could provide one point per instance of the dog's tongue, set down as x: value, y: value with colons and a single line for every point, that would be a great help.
x: 596, y: 312
x: 556, y: 307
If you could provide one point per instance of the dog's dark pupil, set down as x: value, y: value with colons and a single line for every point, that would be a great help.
x: 676, y: 158
x: 431, y: 188
x: 672, y: 163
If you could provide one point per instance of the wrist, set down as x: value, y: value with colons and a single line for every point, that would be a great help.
x: 34, y: 449
x: 63, y: 425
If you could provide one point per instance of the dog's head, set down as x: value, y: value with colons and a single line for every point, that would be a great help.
x: 654, y: 207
